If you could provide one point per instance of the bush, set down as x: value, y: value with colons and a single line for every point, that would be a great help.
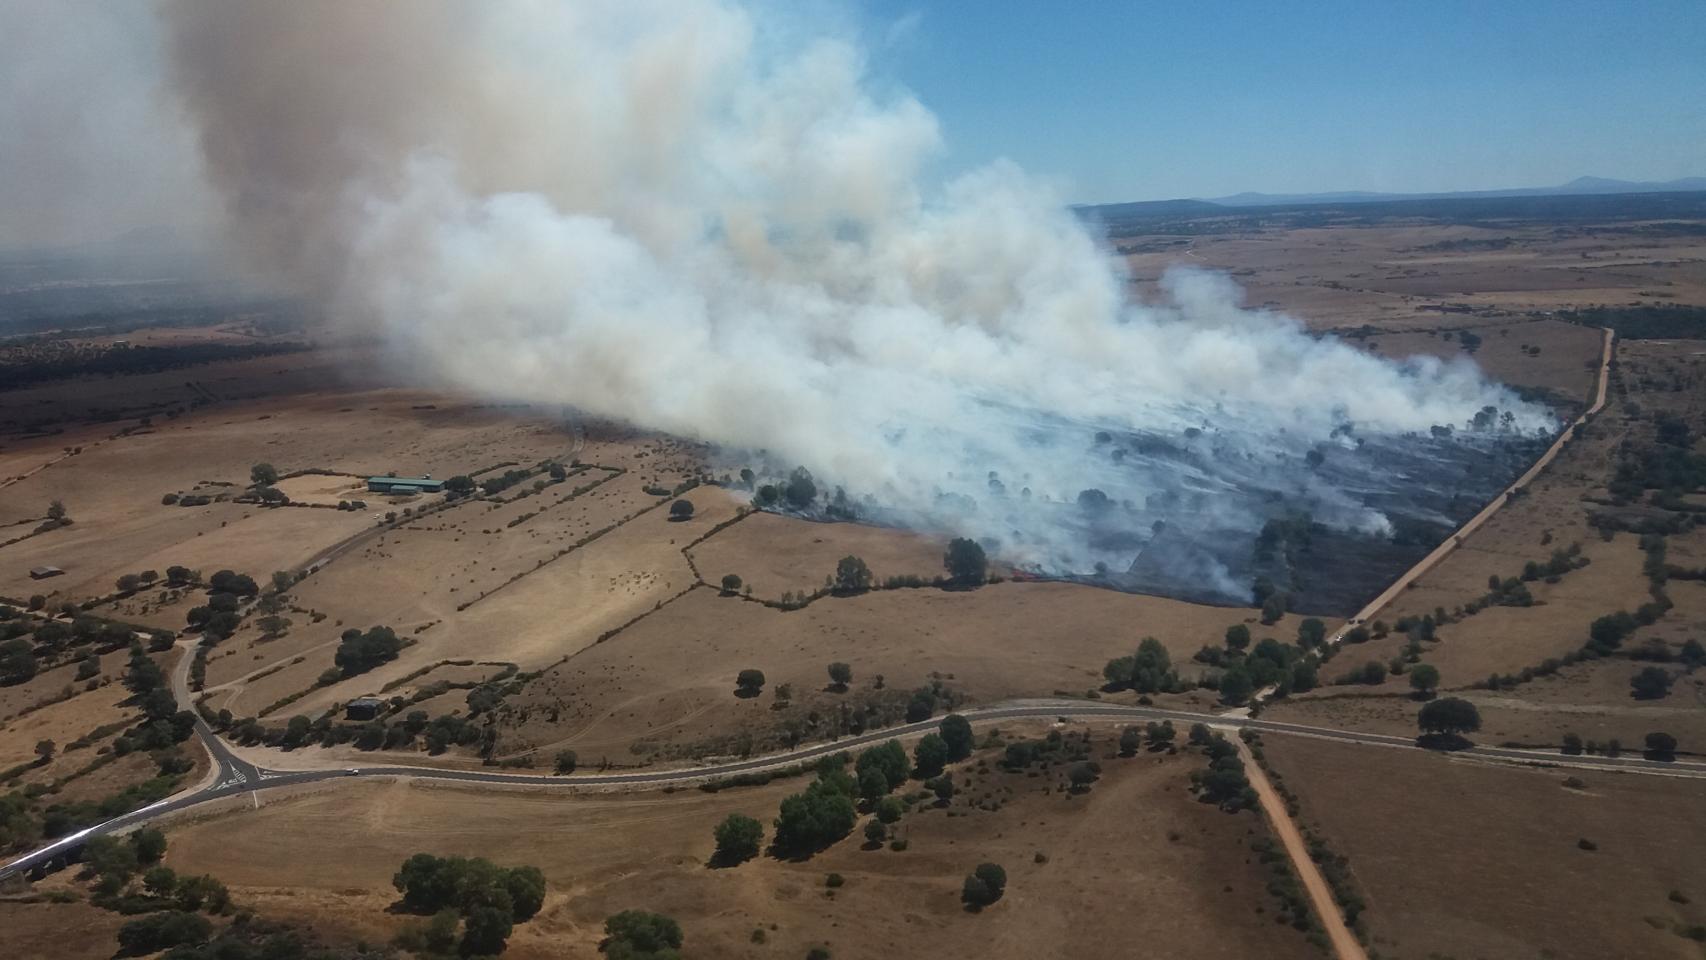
x: 638, y: 934
x: 840, y: 675
x: 1650, y: 683
x: 749, y: 683
x: 1661, y: 746
x: 984, y: 886
x: 162, y: 930
x: 1311, y: 633
x: 1424, y: 679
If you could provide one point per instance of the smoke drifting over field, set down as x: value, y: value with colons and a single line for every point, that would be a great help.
x: 689, y: 215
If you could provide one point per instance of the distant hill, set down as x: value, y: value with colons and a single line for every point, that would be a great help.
x: 1577, y: 187
x: 1151, y: 208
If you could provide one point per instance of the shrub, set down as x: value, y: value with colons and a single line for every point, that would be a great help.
x: 984, y: 886
x: 840, y: 675
x: 1660, y: 746
x: 749, y: 683
x: 1650, y: 683
x: 638, y: 934
x: 1424, y: 679
x: 159, y: 931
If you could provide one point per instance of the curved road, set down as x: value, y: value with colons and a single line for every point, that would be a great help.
x: 234, y: 776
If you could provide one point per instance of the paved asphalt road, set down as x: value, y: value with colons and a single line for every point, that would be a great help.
x: 235, y: 776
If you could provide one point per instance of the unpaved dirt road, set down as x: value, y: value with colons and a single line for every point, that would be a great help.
x: 1456, y: 539
x: 1345, y: 945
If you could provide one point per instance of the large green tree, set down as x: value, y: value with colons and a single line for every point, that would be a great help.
x: 965, y: 561
x: 931, y: 755
x: 738, y: 838
x: 1450, y: 716
x: 957, y: 734
x: 852, y: 575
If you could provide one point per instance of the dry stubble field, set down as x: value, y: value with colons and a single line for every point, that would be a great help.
x: 1462, y: 859
x: 1137, y: 864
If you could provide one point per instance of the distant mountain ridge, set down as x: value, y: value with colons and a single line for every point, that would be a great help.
x: 1576, y: 187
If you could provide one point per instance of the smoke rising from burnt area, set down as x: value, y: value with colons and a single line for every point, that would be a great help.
x: 693, y: 216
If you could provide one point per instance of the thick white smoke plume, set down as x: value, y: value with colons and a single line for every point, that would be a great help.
x: 682, y: 214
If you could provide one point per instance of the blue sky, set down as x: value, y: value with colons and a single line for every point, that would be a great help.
x: 1138, y: 101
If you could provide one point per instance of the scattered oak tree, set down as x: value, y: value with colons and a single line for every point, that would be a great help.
x: 965, y: 561
x: 738, y: 839
x: 984, y: 886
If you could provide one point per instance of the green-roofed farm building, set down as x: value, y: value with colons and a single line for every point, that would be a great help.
x: 404, y: 485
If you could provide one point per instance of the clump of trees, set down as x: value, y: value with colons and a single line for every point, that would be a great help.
x: 681, y: 510
x: 360, y: 652
x: 820, y: 815
x: 488, y: 898
x: 880, y: 769
x: 1224, y: 783
x: 1147, y: 671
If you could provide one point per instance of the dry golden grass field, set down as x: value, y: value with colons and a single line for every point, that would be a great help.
x: 600, y: 621
x: 1461, y: 859
x: 1136, y: 840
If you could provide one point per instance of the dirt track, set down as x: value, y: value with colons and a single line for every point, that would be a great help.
x: 1345, y: 945
x: 1474, y: 523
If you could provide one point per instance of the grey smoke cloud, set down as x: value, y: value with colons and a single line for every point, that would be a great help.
x: 91, y: 145
x: 710, y: 222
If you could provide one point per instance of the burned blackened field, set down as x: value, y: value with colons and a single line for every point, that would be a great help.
x: 1223, y: 516
x: 1422, y: 486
